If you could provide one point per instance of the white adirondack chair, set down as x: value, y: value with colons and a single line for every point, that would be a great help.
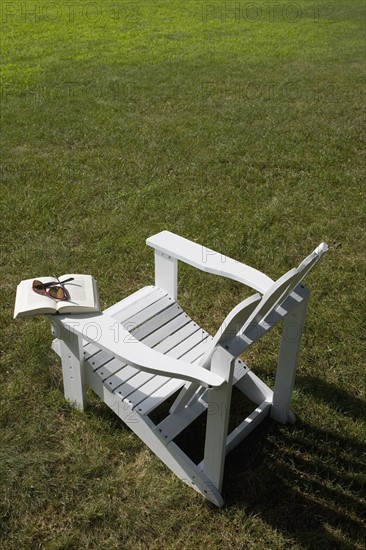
x: 142, y: 350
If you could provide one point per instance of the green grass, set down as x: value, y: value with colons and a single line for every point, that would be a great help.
x: 244, y: 135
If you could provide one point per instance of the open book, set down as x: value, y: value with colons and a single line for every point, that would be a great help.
x: 81, y: 291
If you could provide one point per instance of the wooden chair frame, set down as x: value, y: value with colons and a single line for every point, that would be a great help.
x: 141, y: 351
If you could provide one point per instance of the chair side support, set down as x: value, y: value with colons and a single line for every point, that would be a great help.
x: 166, y: 273
x: 287, y: 361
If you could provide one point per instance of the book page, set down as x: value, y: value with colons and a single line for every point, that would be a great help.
x: 76, y: 290
x: 80, y: 291
x: 28, y: 301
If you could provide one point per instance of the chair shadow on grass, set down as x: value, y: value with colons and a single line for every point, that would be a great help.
x: 304, y: 481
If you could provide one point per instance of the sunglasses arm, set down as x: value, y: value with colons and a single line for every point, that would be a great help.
x: 48, y: 285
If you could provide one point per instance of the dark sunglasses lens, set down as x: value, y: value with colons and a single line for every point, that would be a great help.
x: 57, y: 292
x: 38, y: 286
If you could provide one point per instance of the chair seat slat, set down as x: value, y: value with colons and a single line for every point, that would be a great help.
x: 159, y: 321
x: 139, y: 305
x: 177, y: 351
x: 156, y: 383
x: 128, y: 300
x: 147, y: 313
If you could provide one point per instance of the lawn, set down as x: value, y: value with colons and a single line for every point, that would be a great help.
x: 238, y: 125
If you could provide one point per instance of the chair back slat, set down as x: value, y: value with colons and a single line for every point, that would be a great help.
x: 251, y: 312
x: 231, y: 326
x: 284, y: 286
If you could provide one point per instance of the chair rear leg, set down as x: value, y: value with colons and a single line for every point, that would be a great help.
x: 287, y: 362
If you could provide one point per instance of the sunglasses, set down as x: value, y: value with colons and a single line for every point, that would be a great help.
x: 52, y: 290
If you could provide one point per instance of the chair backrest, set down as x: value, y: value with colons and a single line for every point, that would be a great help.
x: 255, y: 309
x: 284, y: 286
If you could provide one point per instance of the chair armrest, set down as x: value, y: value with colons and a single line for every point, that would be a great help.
x: 109, y: 335
x: 208, y: 260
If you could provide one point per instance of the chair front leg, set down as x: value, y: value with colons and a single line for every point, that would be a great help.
x: 73, y: 370
x: 218, y: 412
